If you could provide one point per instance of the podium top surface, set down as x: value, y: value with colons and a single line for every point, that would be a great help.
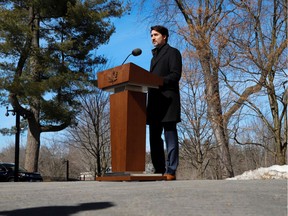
x: 127, y: 74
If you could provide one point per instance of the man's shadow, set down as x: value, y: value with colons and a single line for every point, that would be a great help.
x: 57, y: 210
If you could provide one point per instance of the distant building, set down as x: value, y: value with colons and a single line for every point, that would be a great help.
x: 87, y: 176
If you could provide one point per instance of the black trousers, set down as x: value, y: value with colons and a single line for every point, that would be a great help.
x: 157, y: 147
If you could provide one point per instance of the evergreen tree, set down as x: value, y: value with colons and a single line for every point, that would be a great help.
x: 46, y: 59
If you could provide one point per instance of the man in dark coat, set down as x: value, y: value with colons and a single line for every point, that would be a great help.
x: 163, y: 107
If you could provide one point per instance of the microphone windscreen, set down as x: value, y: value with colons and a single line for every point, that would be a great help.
x: 136, y: 52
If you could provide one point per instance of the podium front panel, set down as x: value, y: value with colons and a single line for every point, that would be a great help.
x: 128, y: 131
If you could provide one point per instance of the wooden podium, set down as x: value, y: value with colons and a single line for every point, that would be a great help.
x: 129, y: 84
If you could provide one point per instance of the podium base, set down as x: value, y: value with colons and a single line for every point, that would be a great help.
x: 131, y: 177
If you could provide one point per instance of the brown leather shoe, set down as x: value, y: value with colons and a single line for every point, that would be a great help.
x: 170, y: 177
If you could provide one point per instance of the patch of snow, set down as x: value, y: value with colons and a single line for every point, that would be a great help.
x: 273, y: 172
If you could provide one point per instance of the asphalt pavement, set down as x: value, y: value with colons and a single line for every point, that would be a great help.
x: 191, y: 197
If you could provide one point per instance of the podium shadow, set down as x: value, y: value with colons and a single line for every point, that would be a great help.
x: 57, y: 210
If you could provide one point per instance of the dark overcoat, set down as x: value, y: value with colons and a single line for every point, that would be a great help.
x: 164, y: 103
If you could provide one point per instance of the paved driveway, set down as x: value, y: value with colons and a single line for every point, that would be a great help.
x: 195, y: 198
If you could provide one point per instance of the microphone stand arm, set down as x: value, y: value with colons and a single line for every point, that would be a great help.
x: 126, y: 58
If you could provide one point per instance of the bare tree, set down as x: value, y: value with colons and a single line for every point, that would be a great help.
x: 52, y: 165
x: 195, y: 129
x: 264, y: 49
x: 7, y: 154
x: 92, y: 133
x: 275, y: 135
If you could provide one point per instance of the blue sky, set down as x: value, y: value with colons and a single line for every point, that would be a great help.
x: 130, y: 33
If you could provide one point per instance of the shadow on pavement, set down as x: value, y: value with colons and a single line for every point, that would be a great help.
x: 57, y: 210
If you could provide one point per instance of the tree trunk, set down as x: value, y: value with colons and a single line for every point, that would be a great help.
x: 219, y: 127
x: 215, y: 114
x: 32, y: 148
x: 279, y: 134
x: 33, y: 139
x: 279, y: 142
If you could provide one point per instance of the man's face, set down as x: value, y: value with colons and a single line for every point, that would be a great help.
x: 157, y: 39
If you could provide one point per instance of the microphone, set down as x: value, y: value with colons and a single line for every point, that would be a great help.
x: 135, y: 52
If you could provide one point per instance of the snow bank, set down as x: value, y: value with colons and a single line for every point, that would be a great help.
x: 273, y: 172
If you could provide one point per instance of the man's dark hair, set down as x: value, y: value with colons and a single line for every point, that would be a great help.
x: 162, y: 30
